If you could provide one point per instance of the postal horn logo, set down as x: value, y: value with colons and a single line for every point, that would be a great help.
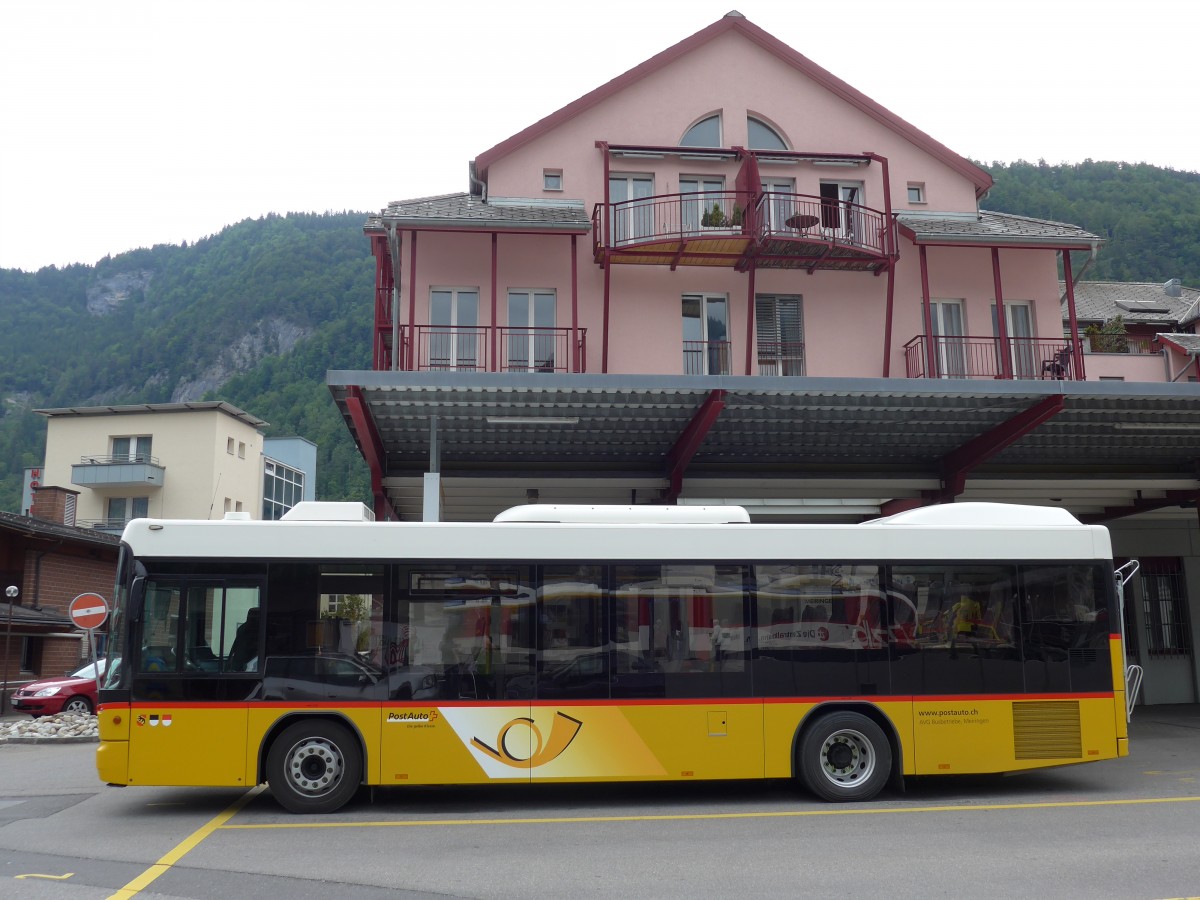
x: 562, y: 732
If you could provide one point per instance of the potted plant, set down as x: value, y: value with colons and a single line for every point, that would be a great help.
x: 714, y: 217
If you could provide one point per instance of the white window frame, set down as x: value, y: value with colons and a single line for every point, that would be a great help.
x: 779, y: 208
x: 917, y: 187
x: 716, y: 114
x: 951, y: 355
x: 535, y: 348
x: 139, y: 450
x: 548, y: 176
x: 850, y: 196
x: 707, y: 190
x: 457, y: 349
x: 634, y: 221
x: 768, y: 329
x: 1018, y: 326
x: 713, y: 357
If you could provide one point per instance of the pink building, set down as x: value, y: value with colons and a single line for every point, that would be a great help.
x: 760, y: 288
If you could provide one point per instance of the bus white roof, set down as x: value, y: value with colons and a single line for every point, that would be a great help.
x: 626, y: 515
x: 992, y: 515
x: 965, y: 531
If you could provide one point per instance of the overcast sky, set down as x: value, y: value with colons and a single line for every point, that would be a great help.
x: 125, y: 124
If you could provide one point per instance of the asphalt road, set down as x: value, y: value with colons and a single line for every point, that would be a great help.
x: 1124, y: 829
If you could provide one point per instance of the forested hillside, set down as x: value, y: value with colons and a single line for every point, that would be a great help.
x: 1150, y: 217
x: 256, y: 314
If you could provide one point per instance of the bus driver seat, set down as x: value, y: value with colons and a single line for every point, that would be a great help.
x: 245, y: 644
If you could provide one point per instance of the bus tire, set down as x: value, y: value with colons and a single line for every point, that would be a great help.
x: 844, y: 756
x: 314, y: 766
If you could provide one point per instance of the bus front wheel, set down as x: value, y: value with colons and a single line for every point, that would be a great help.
x: 314, y: 767
x: 844, y: 756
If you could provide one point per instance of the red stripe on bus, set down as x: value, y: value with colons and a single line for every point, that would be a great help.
x: 682, y: 701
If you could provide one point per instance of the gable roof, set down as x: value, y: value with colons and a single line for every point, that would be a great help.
x: 735, y: 21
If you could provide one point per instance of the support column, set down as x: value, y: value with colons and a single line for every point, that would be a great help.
x: 492, y: 363
x: 750, y: 333
x: 1076, y: 343
x: 575, y: 305
x: 1001, y: 319
x: 887, y: 325
x: 604, y: 336
x: 431, y: 505
x: 412, y: 303
x: 930, y: 351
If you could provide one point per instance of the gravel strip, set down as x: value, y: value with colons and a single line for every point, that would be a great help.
x: 63, y: 728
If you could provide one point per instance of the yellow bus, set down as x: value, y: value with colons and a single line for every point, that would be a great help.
x: 328, y: 651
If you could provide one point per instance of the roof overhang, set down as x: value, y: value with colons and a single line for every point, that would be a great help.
x: 787, y: 438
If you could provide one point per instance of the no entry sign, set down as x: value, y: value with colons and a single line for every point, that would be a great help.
x: 88, y: 611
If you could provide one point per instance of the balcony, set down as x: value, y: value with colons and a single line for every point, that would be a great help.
x: 483, y: 348
x: 963, y: 356
x: 732, y: 229
x: 103, y: 470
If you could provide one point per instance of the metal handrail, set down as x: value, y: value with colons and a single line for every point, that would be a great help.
x: 1133, y: 673
x: 108, y: 459
x: 760, y: 215
x: 978, y: 356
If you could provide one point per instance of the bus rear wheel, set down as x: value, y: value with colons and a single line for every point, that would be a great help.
x: 844, y: 756
x: 314, y: 767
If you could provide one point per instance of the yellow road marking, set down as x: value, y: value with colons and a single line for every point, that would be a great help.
x: 181, y: 849
x: 685, y: 817
x: 51, y: 877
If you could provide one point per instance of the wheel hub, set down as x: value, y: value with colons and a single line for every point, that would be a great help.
x: 315, y: 766
x: 847, y: 758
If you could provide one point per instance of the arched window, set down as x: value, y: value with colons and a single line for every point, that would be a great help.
x: 705, y: 133
x: 761, y: 136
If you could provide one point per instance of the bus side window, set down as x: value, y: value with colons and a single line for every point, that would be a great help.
x: 160, y: 628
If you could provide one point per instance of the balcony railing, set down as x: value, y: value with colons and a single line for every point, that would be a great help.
x: 111, y: 526
x: 706, y: 357
x: 462, y: 348
x: 766, y: 222
x: 802, y: 217
x: 105, y: 459
x: 780, y: 358
x: 955, y: 356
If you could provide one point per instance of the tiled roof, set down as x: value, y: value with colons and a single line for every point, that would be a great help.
x: 1186, y: 343
x: 41, y: 528
x: 1099, y: 301
x: 992, y: 228
x: 28, y: 615
x: 496, y: 212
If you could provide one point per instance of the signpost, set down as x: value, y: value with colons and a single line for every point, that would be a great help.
x: 89, y: 611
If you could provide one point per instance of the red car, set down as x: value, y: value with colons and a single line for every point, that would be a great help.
x: 74, y: 693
